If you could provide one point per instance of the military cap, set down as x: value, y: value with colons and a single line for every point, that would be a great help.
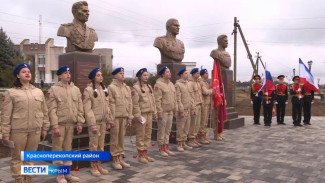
x: 203, y: 71
x: 62, y: 69
x: 162, y: 70
x: 180, y: 72
x: 141, y: 71
x: 92, y: 73
x: 117, y: 70
x: 19, y: 67
x: 195, y: 70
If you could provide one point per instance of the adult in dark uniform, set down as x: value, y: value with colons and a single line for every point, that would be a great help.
x: 255, y: 100
x: 308, y: 100
x: 268, y: 103
x: 281, y: 99
x: 297, y: 91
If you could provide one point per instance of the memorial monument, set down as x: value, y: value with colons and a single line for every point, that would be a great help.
x: 80, y: 43
x: 221, y: 55
x: 171, y: 49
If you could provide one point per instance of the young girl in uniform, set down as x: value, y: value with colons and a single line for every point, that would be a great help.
x: 144, y: 109
x: 97, y: 115
x: 24, y: 118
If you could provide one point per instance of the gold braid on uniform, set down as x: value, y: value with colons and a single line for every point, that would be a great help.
x: 140, y: 83
x: 105, y: 90
x: 149, y: 88
x: 139, y: 79
x: 95, y: 89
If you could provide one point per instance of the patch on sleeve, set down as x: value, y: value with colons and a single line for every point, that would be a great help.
x: 3, y: 98
x: 133, y: 93
x: 156, y: 88
x: 48, y: 95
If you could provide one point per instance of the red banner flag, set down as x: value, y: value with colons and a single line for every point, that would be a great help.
x: 218, y: 97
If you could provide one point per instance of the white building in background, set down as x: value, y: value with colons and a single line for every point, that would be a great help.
x: 106, y: 57
x: 189, y: 65
x: 44, y: 59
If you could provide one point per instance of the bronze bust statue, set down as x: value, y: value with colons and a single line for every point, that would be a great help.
x: 79, y: 36
x: 220, y: 54
x: 171, y: 49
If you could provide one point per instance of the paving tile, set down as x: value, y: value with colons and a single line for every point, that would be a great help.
x: 251, y: 154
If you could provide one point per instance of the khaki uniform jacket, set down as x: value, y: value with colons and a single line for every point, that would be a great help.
x: 120, y: 100
x: 65, y: 105
x: 143, y: 100
x: 183, y: 95
x: 195, y: 87
x: 97, y: 109
x: 24, y: 110
x: 165, y: 95
x: 206, y: 92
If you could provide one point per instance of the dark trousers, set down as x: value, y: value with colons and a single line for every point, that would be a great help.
x: 307, y: 109
x: 267, y: 110
x: 296, y: 110
x: 280, y: 111
x: 257, y: 109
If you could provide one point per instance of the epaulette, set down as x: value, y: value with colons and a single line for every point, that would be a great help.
x: 67, y: 24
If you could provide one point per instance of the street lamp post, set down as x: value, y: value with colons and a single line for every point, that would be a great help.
x: 310, y: 62
x: 294, y: 72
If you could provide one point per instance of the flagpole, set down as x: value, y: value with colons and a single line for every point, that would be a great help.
x: 267, y: 101
x: 299, y: 83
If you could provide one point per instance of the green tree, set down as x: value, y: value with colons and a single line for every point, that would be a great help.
x: 152, y: 79
x: 9, y: 59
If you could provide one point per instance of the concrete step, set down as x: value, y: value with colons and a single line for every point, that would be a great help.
x: 231, y: 109
x: 234, y: 123
x: 232, y: 115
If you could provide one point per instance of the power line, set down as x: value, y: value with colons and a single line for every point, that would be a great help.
x: 205, y: 25
x: 134, y: 12
x: 126, y: 19
x: 274, y: 42
x: 131, y: 19
x: 289, y: 29
x: 277, y: 19
x: 29, y: 18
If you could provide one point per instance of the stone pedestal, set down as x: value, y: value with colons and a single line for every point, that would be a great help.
x: 227, y: 79
x: 233, y: 120
x: 174, y: 68
x: 81, y: 64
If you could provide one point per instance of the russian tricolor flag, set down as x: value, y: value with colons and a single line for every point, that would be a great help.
x: 267, y: 83
x: 306, y: 77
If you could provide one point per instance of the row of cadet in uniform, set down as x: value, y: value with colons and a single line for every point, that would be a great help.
x: 27, y: 115
x: 302, y: 99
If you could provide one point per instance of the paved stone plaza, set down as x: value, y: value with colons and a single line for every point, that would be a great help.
x: 253, y: 154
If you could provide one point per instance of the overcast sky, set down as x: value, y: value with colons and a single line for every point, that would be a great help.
x: 282, y: 31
